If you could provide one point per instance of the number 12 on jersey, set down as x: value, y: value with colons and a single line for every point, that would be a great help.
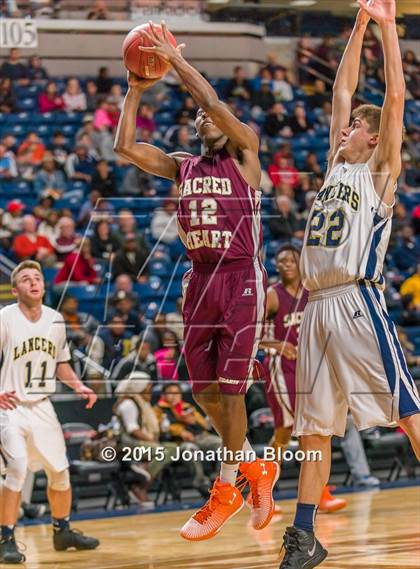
x: 326, y: 228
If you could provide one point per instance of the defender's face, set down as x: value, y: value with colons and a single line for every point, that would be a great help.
x: 356, y: 139
x: 206, y: 129
x: 287, y: 263
x: 30, y: 286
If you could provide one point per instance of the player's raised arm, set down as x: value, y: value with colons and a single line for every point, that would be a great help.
x: 346, y: 82
x: 146, y: 156
x: 240, y: 134
x: 386, y: 160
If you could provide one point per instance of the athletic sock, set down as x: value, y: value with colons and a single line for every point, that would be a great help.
x: 248, y: 452
x: 60, y: 524
x: 7, y: 532
x: 228, y: 473
x: 305, y: 516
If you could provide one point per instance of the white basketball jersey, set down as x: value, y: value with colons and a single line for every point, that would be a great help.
x: 31, y: 351
x: 348, y: 231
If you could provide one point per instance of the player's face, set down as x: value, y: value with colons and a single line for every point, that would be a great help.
x: 356, y: 139
x: 287, y: 263
x: 30, y: 287
x: 206, y: 129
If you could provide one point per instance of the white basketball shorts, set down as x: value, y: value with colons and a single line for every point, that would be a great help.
x: 350, y: 358
x: 33, y: 431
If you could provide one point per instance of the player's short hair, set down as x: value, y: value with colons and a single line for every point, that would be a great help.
x: 24, y: 265
x: 371, y: 114
x: 288, y: 247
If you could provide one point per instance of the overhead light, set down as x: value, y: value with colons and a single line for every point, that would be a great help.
x: 302, y: 3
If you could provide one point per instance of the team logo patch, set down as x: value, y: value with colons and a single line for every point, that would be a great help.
x: 247, y: 292
x: 357, y: 314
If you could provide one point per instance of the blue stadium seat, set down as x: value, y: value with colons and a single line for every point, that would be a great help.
x: 18, y: 118
x: 27, y: 104
x: 159, y: 268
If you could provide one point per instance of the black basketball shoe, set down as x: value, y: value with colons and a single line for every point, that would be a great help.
x: 67, y: 538
x: 9, y: 552
x: 302, y: 550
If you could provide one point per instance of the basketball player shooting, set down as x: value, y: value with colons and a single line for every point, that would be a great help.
x: 349, y: 355
x: 34, y: 352
x: 224, y: 300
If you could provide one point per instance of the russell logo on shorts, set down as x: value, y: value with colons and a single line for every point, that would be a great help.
x: 357, y: 314
x: 247, y: 292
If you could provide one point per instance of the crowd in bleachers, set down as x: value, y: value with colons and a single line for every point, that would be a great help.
x: 113, y: 262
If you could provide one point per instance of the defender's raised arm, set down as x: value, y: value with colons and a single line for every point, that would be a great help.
x: 346, y: 82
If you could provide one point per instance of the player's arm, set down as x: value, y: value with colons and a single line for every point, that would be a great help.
x: 146, y: 156
x: 345, y: 84
x: 66, y: 375
x: 240, y: 134
x: 385, y: 163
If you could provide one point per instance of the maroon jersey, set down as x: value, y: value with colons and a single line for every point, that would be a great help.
x: 218, y: 210
x: 287, y: 321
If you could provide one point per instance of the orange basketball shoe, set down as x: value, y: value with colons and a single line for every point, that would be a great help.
x: 329, y: 503
x: 261, y: 476
x: 225, y: 501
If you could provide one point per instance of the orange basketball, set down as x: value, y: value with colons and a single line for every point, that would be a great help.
x: 146, y: 65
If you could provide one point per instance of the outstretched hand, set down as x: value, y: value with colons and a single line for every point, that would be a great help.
x: 382, y: 11
x: 363, y: 17
x: 161, y: 44
x: 88, y: 394
x: 139, y: 83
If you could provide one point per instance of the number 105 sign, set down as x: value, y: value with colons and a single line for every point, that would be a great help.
x: 18, y: 33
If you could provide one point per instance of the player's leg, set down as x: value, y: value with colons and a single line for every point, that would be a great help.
x: 411, y: 426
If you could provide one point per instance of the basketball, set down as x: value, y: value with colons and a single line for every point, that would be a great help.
x: 146, y: 65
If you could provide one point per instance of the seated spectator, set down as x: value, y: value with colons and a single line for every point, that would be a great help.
x: 131, y: 259
x: 50, y: 100
x: 91, y: 96
x: 116, y: 96
x: 114, y: 343
x: 8, y: 169
x: 283, y: 171
x: 103, y: 81
x: 101, y: 119
x: 325, y: 114
x: 239, y: 86
x: 95, y: 205
x: 411, y: 287
x: 164, y: 225
x: 299, y: 122
x: 187, y: 112
x: 49, y: 178
x: 188, y: 427
x: 34, y: 146
x: 59, y: 148
x: 137, y: 182
x: 10, y: 142
x: 30, y: 245
x: 73, y: 96
x: 312, y: 164
x: 281, y: 87
x: 145, y: 118
x: 48, y: 226
x: 81, y: 327
x: 263, y: 99
x: 169, y: 359
x: 124, y: 283
x: 98, y: 11
x: 67, y: 239
x: 78, y: 267
x: 139, y: 423
x: 36, y: 71
x: 276, y: 122
x: 80, y: 164
x: 104, y: 243
x: 416, y: 219
x: 7, y: 97
x: 123, y: 304
x: 13, y: 68
x: 183, y: 141
x: 12, y: 218
x: 407, y: 252
x: 140, y: 359
x: 319, y: 95
x: 26, y: 169
x: 104, y: 180
x: 175, y: 322
x: 283, y: 223
x: 127, y: 224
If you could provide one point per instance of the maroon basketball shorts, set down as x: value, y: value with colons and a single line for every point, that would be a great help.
x: 280, y: 389
x: 224, y: 308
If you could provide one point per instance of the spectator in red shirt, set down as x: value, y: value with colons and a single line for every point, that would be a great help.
x: 78, y: 267
x: 49, y: 100
x: 33, y: 144
x: 283, y: 171
x: 30, y: 245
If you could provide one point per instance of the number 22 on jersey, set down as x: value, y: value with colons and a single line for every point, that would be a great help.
x: 326, y: 228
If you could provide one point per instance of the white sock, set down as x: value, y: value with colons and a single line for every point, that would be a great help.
x: 228, y: 473
x: 248, y: 452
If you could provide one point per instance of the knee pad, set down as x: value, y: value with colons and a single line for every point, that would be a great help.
x: 16, y: 474
x: 58, y: 481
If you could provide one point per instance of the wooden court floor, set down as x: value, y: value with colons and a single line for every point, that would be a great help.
x: 379, y: 530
